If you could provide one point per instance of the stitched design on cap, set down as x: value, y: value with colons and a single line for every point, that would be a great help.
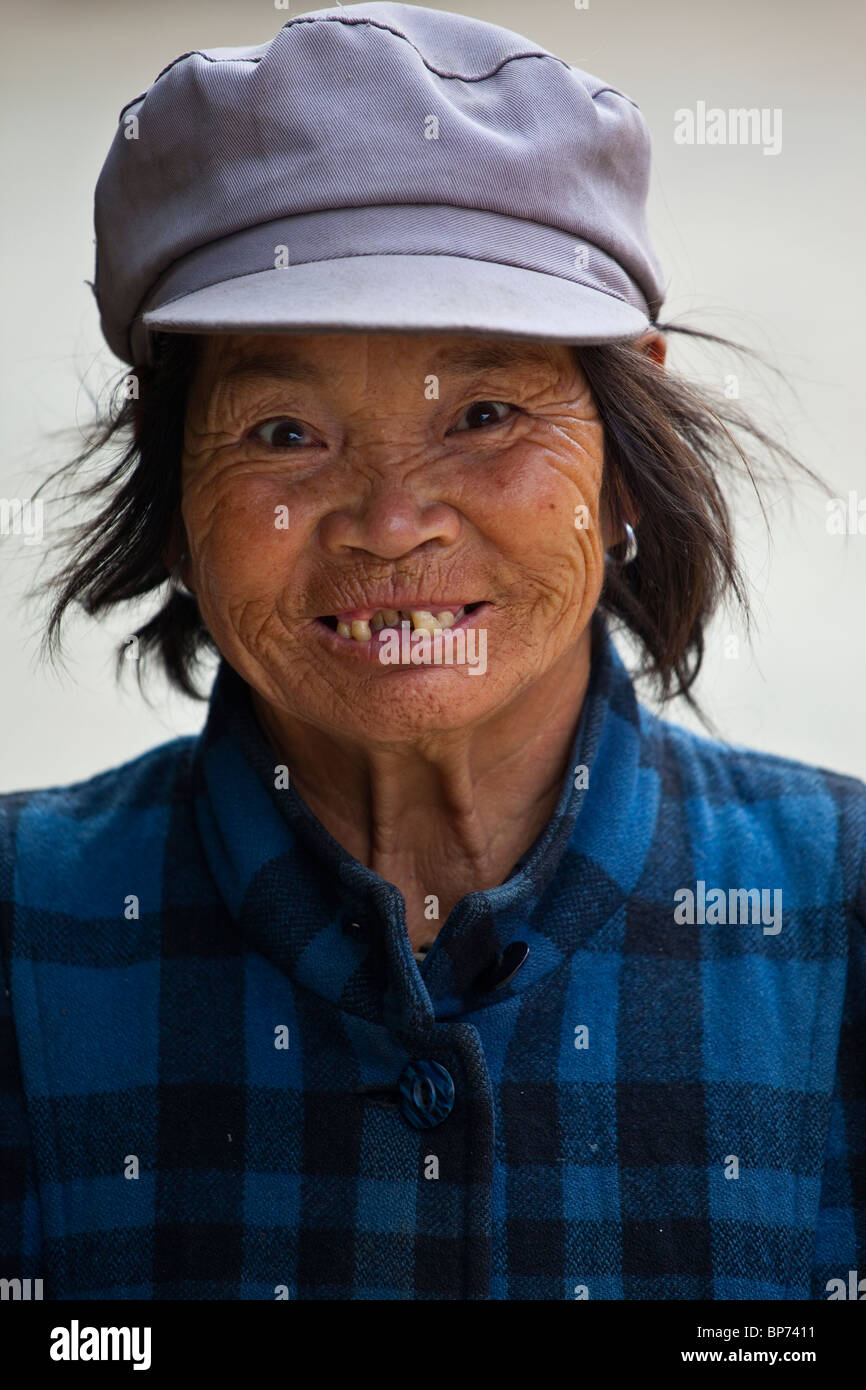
x: 377, y: 24
x: 373, y: 24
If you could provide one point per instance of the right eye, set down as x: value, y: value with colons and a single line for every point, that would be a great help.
x: 487, y: 409
x: 280, y: 433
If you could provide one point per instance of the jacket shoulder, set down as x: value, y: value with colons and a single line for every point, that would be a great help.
x: 148, y: 775
x: 709, y: 761
x: 754, y: 798
x: 63, y: 840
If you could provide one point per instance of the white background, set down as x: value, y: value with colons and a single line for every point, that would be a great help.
x: 765, y: 249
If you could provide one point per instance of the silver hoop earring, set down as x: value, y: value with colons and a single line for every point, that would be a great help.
x: 630, y: 548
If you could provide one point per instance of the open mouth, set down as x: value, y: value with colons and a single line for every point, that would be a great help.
x: 369, y: 625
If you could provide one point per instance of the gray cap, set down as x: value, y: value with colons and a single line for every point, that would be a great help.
x: 376, y: 167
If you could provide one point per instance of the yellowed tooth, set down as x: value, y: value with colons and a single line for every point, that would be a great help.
x: 361, y: 630
x: 422, y: 619
x: 344, y: 630
x: 377, y: 622
x: 445, y: 619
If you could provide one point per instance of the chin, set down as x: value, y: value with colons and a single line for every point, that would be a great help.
x: 408, y: 703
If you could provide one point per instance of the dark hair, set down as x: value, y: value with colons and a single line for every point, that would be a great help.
x: 668, y: 444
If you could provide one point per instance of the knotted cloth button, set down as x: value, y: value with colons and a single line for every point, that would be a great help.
x: 504, y: 968
x: 426, y: 1094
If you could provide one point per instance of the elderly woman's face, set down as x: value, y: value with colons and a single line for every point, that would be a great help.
x: 330, y: 478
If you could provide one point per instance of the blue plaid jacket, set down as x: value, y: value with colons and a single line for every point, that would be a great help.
x: 225, y: 1076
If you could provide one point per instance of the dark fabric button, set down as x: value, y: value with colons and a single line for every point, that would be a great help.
x: 504, y: 968
x: 426, y: 1094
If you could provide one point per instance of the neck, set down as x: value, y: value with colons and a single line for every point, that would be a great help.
x: 451, y: 812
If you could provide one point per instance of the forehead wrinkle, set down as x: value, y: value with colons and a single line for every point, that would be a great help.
x: 460, y: 358
x: 241, y: 366
x: 262, y: 364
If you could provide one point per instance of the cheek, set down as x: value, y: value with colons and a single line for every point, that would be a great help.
x: 244, y: 535
x: 543, y: 497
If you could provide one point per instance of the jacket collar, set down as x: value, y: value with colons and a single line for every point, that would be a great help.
x: 295, y: 892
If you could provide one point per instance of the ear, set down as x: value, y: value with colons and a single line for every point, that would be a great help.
x: 654, y: 345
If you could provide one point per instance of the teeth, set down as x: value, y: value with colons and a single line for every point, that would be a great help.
x: 361, y: 630
x: 422, y: 619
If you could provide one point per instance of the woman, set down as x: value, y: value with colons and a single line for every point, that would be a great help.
x: 438, y: 966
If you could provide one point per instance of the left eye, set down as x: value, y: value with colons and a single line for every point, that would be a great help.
x: 481, y: 413
x: 282, y: 433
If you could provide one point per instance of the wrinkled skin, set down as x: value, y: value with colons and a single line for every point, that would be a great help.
x: 436, y: 779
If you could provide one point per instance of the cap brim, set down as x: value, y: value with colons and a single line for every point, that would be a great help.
x: 401, y: 293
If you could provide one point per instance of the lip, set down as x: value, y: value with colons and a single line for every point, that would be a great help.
x: 368, y: 652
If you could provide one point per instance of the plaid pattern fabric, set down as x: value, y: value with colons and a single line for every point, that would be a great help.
x: 211, y: 1008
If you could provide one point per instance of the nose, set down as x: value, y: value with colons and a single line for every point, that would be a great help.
x: 388, y: 522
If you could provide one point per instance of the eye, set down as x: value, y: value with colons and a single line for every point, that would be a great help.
x: 282, y: 433
x: 482, y: 413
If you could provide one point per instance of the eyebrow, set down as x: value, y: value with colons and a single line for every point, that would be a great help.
x: 279, y: 366
x: 463, y: 360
